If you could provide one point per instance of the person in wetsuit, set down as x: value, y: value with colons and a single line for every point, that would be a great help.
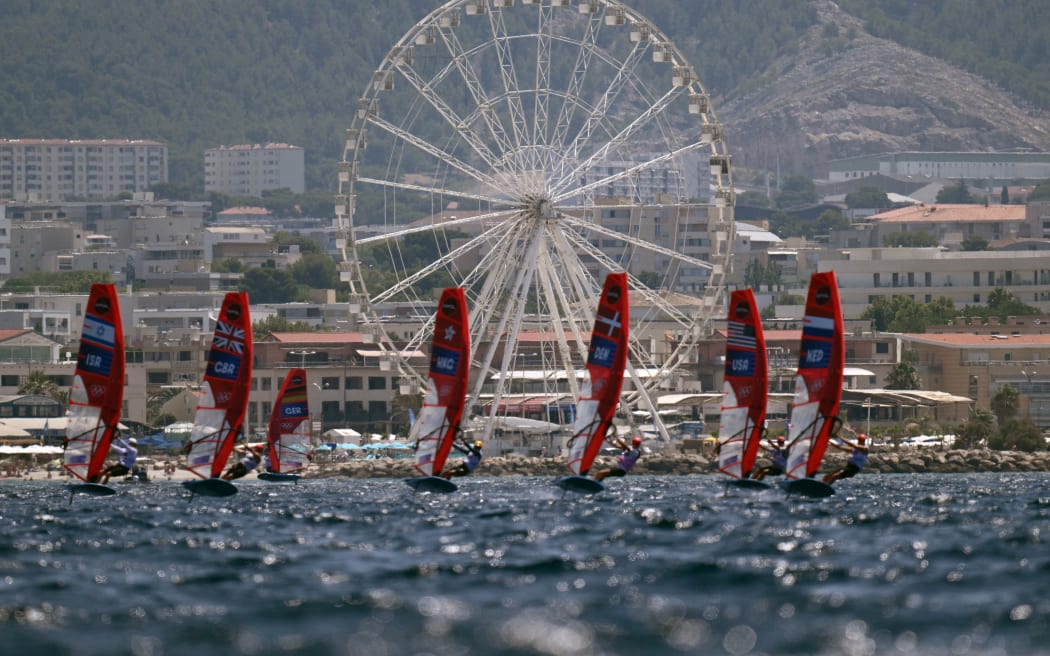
x: 625, y: 461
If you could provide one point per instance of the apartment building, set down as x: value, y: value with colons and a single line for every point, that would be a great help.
x: 56, y: 169
x: 967, y: 278
x: 979, y: 365
x: 945, y: 166
x: 250, y: 169
x: 5, y: 242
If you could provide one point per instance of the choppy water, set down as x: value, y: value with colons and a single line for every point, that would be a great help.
x: 893, y: 564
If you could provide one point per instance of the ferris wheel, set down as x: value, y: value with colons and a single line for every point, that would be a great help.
x: 522, y: 150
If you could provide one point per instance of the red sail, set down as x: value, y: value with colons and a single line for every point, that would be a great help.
x: 224, y: 394
x: 746, y: 383
x: 606, y: 359
x: 818, y: 384
x: 435, y: 428
x: 98, y: 385
x: 288, y: 446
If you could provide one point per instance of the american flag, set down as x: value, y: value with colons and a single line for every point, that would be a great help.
x: 741, y: 335
x: 229, y: 337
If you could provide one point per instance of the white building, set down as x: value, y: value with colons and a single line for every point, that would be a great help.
x: 924, y: 274
x: 5, y: 243
x: 250, y: 169
x: 972, y: 167
x: 54, y: 169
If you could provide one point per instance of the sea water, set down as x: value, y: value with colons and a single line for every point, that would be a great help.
x: 892, y: 564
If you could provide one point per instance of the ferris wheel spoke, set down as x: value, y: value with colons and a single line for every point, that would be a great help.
x: 636, y: 285
x: 620, y: 138
x: 626, y: 173
x: 638, y: 243
x: 449, y: 116
x: 513, y: 307
x: 587, y: 46
x: 541, y: 98
x: 599, y: 113
x: 431, y: 227
x: 423, y: 273
x: 509, y: 76
x: 426, y: 147
x: 436, y: 191
x: 472, y: 80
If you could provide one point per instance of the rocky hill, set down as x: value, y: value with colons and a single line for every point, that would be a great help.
x: 847, y: 93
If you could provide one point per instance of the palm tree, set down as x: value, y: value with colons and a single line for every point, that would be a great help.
x: 1005, y: 403
x: 979, y: 426
x: 38, y: 383
x: 903, y: 377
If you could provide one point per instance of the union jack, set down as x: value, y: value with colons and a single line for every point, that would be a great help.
x: 229, y: 337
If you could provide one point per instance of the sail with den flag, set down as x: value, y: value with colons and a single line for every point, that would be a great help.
x: 603, y: 380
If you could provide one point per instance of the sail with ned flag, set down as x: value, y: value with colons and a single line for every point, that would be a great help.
x: 436, y: 427
x: 97, y: 394
x: 745, y: 389
x: 224, y: 393
x: 603, y: 378
x: 818, y: 383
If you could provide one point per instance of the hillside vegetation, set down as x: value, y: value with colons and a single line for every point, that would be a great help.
x: 200, y: 74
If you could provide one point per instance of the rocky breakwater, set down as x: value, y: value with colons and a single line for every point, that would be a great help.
x: 671, y: 463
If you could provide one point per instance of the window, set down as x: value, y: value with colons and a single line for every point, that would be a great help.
x: 330, y: 382
x: 353, y: 382
x: 377, y: 410
x: 376, y: 382
x: 265, y: 384
x: 882, y: 347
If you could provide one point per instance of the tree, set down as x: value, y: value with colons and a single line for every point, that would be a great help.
x: 229, y: 265
x: 282, y: 241
x: 974, y: 243
x: 60, y: 282
x: 278, y: 324
x: 957, y: 193
x: 1020, y: 434
x: 753, y: 199
x: 868, y: 198
x: 316, y: 271
x: 37, y: 383
x: 903, y: 377
x: 1005, y: 403
x: 979, y: 427
x: 909, y: 240
x: 265, y: 285
x: 797, y: 191
x: 827, y: 221
x: 1041, y: 192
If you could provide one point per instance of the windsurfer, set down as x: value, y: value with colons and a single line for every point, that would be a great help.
x: 128, y: 454
x: 247, y: 463
x: 778, y: 453
x: 858, y: 457
x: 625, y: 461
x: 468, y: 464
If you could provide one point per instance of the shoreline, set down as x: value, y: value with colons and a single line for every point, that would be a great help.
x: 899, y: 461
